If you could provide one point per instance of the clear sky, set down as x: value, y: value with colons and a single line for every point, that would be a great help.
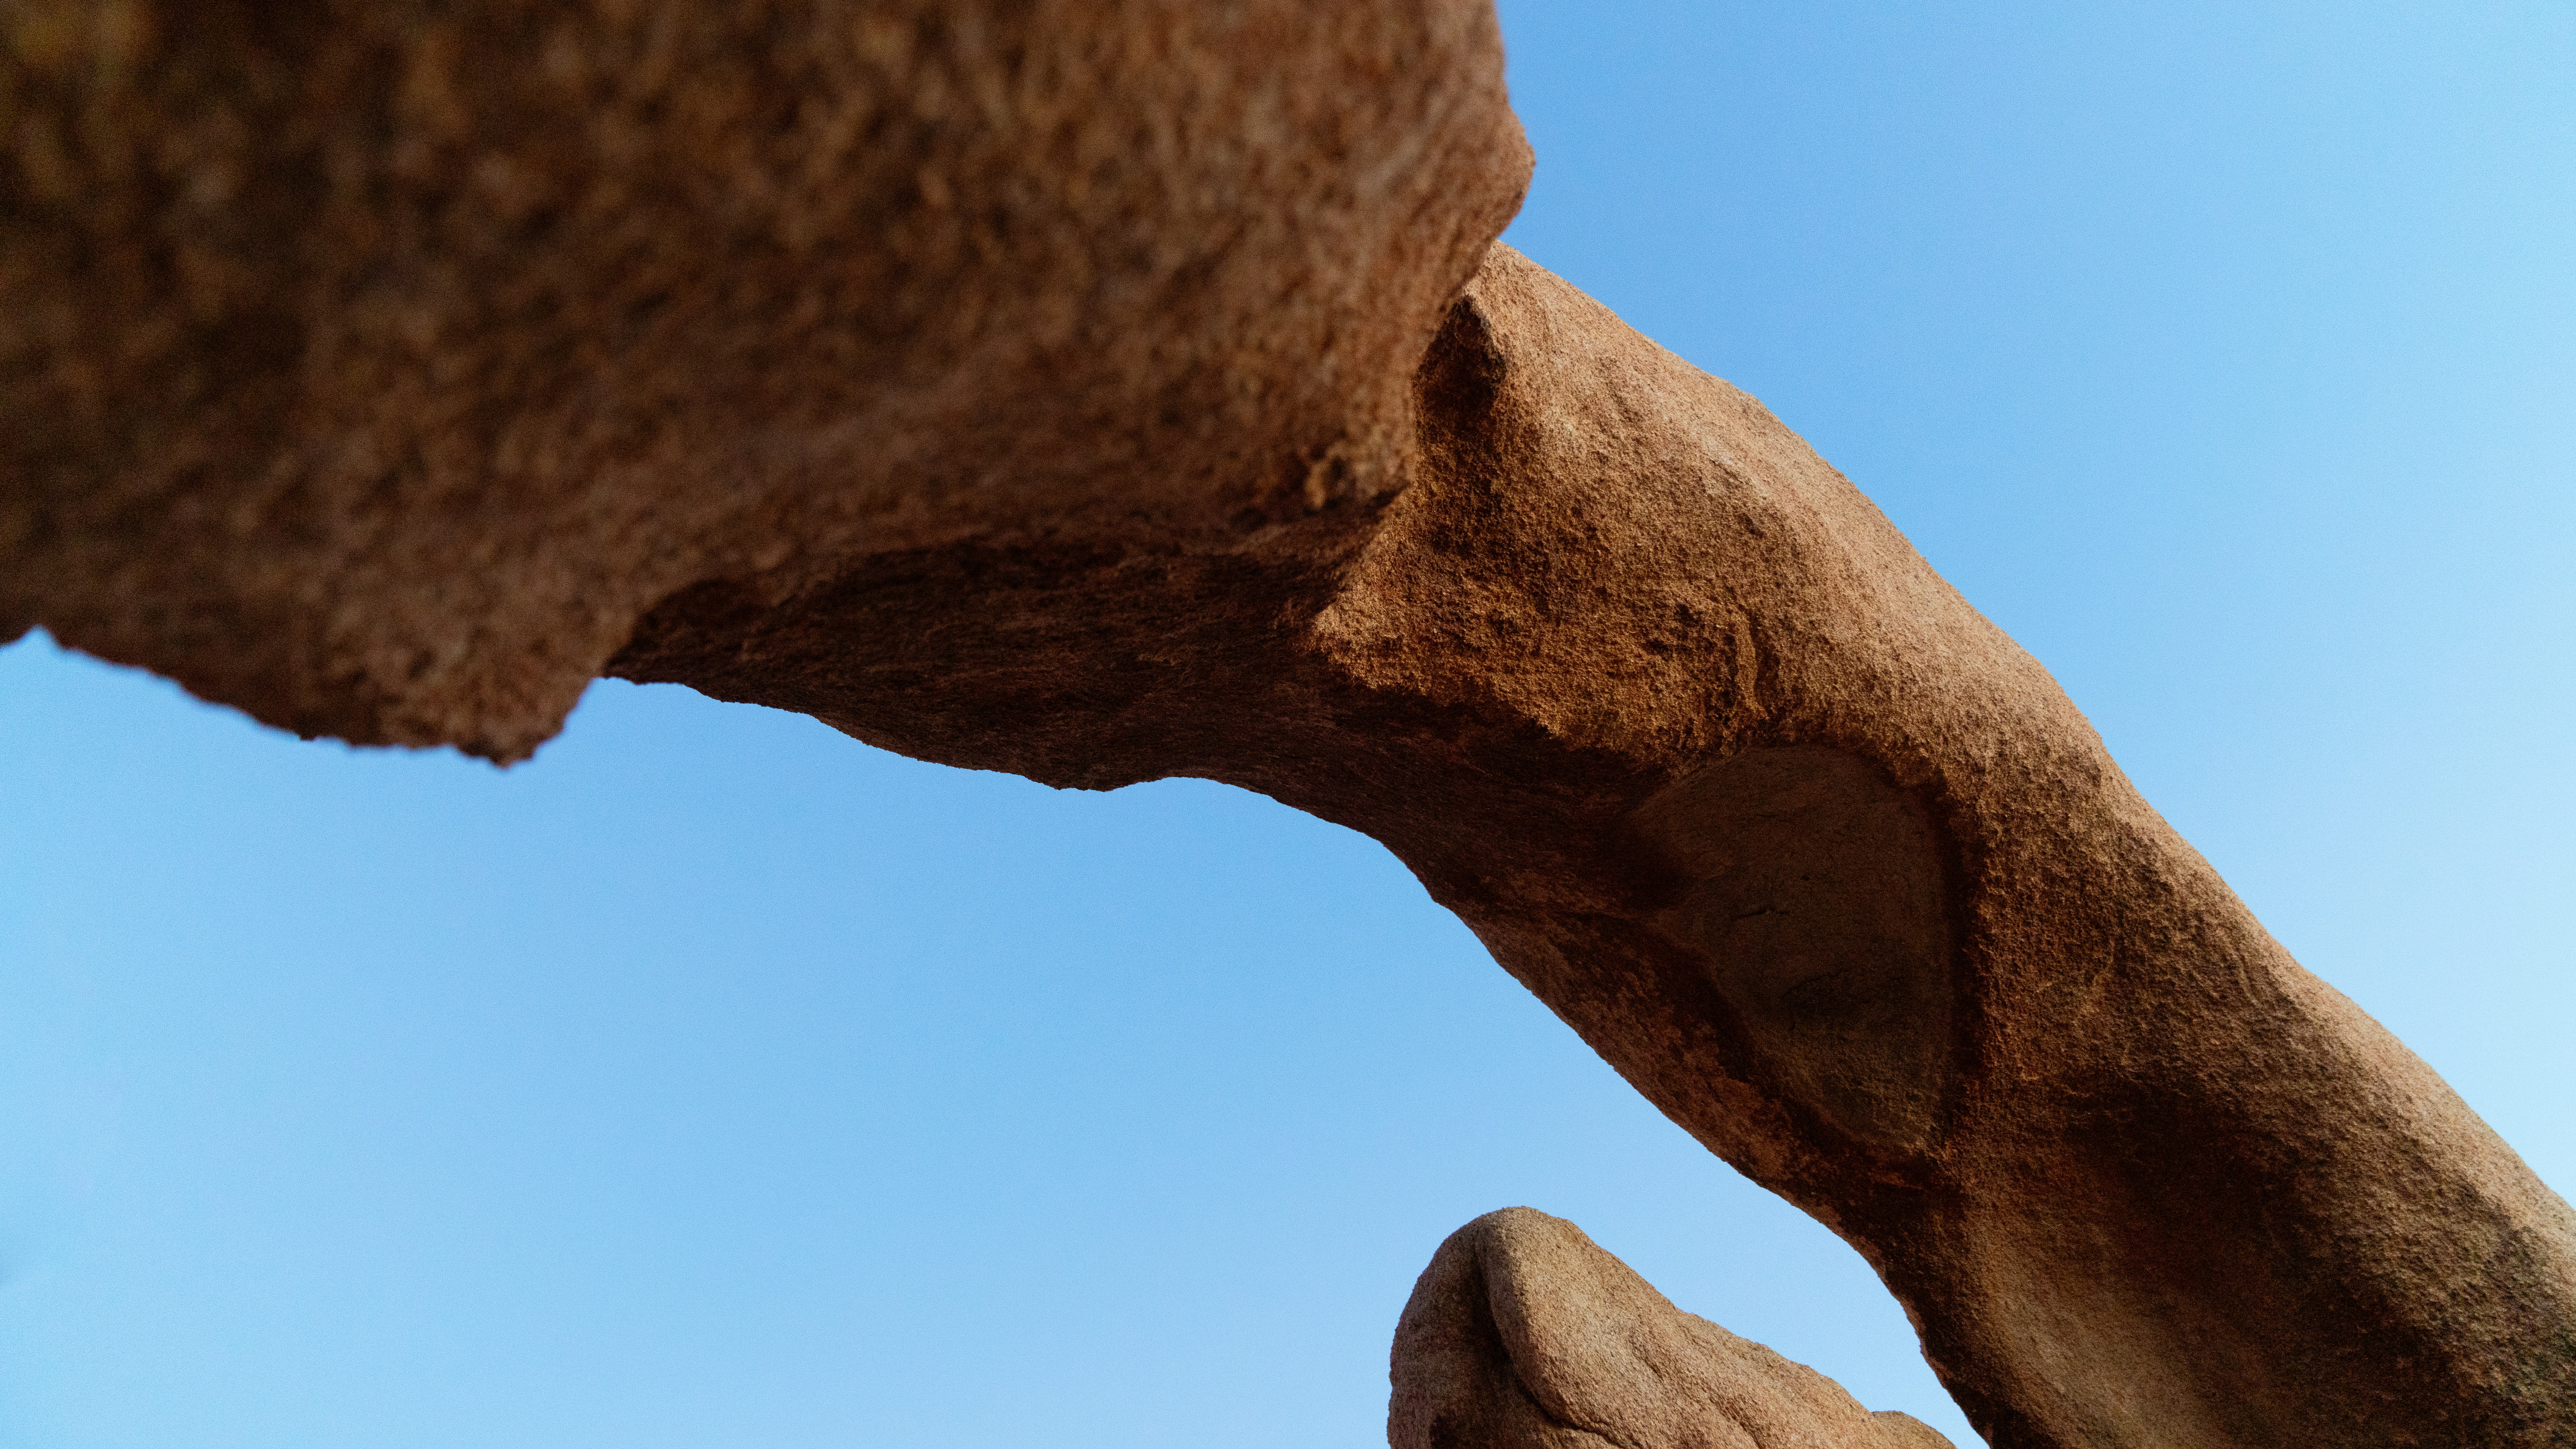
x: 714, y: 1080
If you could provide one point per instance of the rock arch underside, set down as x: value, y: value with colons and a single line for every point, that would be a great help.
x: 1115, y: 390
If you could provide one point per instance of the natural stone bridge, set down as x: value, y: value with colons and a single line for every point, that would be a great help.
x: 1109, y: 391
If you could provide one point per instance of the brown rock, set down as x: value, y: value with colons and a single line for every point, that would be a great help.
x: 372, y: 366
x: 1087, y: 391
x: 1522, y: 1334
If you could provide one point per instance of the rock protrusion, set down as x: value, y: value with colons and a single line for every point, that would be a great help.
x: 1524, y: 1334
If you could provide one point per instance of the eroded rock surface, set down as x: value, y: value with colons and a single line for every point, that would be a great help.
x: 1524, y: 1334
x: 373, y: 366
x: 1105, y: 392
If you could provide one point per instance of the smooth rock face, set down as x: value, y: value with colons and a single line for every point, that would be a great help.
x: 1816, y: 896
x: 1111, y: 391
x: 1522, y: 1334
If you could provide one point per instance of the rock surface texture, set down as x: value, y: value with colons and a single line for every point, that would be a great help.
x: 1523, y: 1334
x: 1110, y: 391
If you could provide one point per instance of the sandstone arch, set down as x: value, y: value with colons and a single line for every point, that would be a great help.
x: 1104, y: 393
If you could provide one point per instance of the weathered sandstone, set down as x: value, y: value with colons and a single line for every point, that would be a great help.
x: 373, y: 366
x: 1105, y: 392
x: 1523, y: 1334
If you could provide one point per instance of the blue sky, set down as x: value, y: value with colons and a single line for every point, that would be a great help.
x: 713, y: 1080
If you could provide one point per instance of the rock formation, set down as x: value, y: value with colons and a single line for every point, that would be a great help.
x: 1523, y: 1334
x: 1110, y: 391
x: 374, y: 366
